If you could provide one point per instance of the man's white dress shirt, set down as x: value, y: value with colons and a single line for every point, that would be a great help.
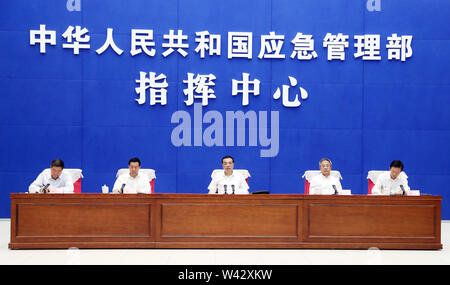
x: 62, y: 184
x: 385, y: 185
x: 220, y: 181
x: 139, y: 184
x: 323, y: 185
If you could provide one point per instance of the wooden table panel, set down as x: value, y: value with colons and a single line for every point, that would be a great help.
x: 83, y: 220
x: 224, y: 221
x: 372, y: 220
x: 229, y: 220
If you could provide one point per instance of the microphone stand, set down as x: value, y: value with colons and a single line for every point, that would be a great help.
x: 403, y: 190
x: 335, y: 190
x: 44, y: 190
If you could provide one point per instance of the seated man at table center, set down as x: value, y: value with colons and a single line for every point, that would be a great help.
x: 324, y: 183
x: 391, y: 182
x: 53, y: 180
x: 132, y: 182
x: 228, y: 181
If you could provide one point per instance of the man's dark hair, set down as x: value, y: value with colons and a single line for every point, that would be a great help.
x: 227, y: 156
x: 134, y: 159
x: 325, y: 159
x: 397, y: 163
x: 57, y: 163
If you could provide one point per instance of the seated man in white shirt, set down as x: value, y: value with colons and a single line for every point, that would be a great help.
x: 52, y: 180
x: 132, y: 182
x: 228, y: 181
x: 324, y: 183
x: 391, y: 183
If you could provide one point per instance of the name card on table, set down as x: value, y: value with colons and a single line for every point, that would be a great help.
x: 413, y: 193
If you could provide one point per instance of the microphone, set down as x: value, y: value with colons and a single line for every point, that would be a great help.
x: 121, y: 189
x: 232, y: 187
x: 225, y: 187
x: 44, y: 190
x: 335, y: 190
x: 403, y: 189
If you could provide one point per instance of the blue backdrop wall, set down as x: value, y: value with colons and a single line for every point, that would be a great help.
x: 361, y: 114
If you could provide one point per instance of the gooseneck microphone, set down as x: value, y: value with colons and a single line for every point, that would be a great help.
x: 121, y: 189
x: 335, y: 190
x: 44, y: 190
x: 403, y: 189
x: 225, y: 188
x: 232, y: 187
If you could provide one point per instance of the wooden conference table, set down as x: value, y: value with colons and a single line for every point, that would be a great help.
x: 41, y: 221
